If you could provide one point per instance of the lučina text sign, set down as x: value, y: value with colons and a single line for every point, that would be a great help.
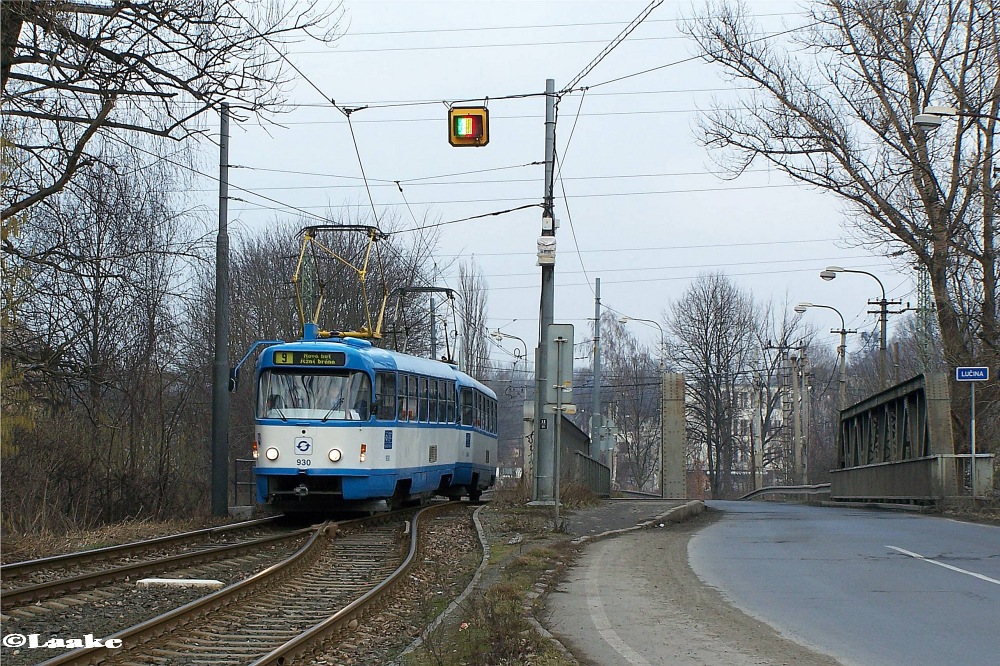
x: 972, y: 374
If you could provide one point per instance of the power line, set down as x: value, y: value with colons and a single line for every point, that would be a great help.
x: 495, y: 116
x: 636, y: 22
x: 388, y: 181
x: 665, y: 248
x: 693, y: 58
x: 466, y: 219
x: 577, y: 196
x: 531, y: 27
x: 417, y: 182
x: 678, y: 277
x: 813, y: 260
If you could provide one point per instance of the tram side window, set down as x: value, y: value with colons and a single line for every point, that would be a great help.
x: 385, y: 396
x: 450, y: 415
x: 412, y: 398
x: 401, y: 400
x: 432, y: 393
x: 467, y: 407
x: 477, y: 416
x: 422, y: 407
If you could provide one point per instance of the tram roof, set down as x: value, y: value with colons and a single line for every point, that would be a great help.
x: 379, y: 358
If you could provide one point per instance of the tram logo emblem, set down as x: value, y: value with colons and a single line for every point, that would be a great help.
x: 304, y: 446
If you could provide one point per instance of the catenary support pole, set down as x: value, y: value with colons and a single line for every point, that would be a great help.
x: 434, y: 342
x: 796, y: 423
x: 220, y: 366
x: 595, y: 418
x: 544, y: 434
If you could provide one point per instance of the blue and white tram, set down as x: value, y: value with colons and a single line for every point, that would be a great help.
x: 341, y: 424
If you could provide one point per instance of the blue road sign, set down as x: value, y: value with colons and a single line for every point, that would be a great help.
x: 972, y: 374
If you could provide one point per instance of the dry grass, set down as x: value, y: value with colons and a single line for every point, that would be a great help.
x: 987, y: 511
x: 493, y: 628
x: 16, y: 548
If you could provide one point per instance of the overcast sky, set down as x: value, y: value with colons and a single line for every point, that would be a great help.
x: 644, y: 209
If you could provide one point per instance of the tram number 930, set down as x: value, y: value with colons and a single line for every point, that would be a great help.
x: 303, y: 462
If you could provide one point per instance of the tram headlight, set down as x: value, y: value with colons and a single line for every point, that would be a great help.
x: 255, y: 452
x: 271, y: 453
x: 364, y: 447
x: 334, y: 455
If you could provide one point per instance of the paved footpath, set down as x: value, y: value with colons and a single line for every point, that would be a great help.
x: 631, y: 598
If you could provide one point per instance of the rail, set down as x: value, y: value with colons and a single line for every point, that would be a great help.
x: 130, y: 549
x: 21, y: 596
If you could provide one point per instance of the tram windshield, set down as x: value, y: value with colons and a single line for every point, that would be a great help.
x: 326, y: 396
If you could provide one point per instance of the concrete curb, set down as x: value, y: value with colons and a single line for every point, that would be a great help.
x: 674, y: 515
x: 460, y: 598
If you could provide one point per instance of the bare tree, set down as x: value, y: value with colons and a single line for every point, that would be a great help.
x: 714, y: 330
x: 472, y: 296
x: 95, y: 349
x: 78, y: 75
x: 775, y: 334
x: 263, y: 303
x: 631, y: 373
x: 835, y: 110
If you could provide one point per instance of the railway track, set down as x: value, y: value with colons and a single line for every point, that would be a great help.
x: 284, y: 612
x: 36, y: 581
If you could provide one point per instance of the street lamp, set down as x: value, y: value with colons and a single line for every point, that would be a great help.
x: 663, y: 384
x: 933, y: 116
x: 841, y: 350
x: 883, y: 309
x: 499, y: 335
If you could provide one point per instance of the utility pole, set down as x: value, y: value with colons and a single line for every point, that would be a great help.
x: 758, y: 440
x: 796, y: 422
x: 220, y: 365
x: 595, y: 419
x: 804, y: 453
x: 545, y: 435
x: 434, y: 342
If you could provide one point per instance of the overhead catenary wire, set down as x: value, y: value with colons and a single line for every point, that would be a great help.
x: 421, y: 182
x: 691, y: 190
x: 614, y: 43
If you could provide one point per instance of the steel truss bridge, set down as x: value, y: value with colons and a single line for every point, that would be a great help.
x: 896, y: 446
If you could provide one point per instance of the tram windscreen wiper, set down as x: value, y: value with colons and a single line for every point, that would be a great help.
x: 335, y: 407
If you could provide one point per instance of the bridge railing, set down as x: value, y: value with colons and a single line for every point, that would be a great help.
x: 932, y: 478
x: 809, y: 492
x: 592, y: 473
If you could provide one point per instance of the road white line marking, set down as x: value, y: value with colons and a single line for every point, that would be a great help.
x: 946, y: 566
x: 603, y: 625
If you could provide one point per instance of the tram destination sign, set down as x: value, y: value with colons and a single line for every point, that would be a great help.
x: 970, y: 374
x: 323, y: 359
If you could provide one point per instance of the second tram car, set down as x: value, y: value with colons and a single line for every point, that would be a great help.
x: 341, y: 424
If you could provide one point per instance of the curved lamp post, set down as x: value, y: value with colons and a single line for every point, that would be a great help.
x: 841, y: 350
x: 883, y: 309
x: 663, y: 384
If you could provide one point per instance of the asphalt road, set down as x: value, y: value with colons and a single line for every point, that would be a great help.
x: 871, y: 588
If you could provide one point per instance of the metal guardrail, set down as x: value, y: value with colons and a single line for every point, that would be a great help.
x: 818, y: 489
x: 593, y: 473
x: 243, y: 477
